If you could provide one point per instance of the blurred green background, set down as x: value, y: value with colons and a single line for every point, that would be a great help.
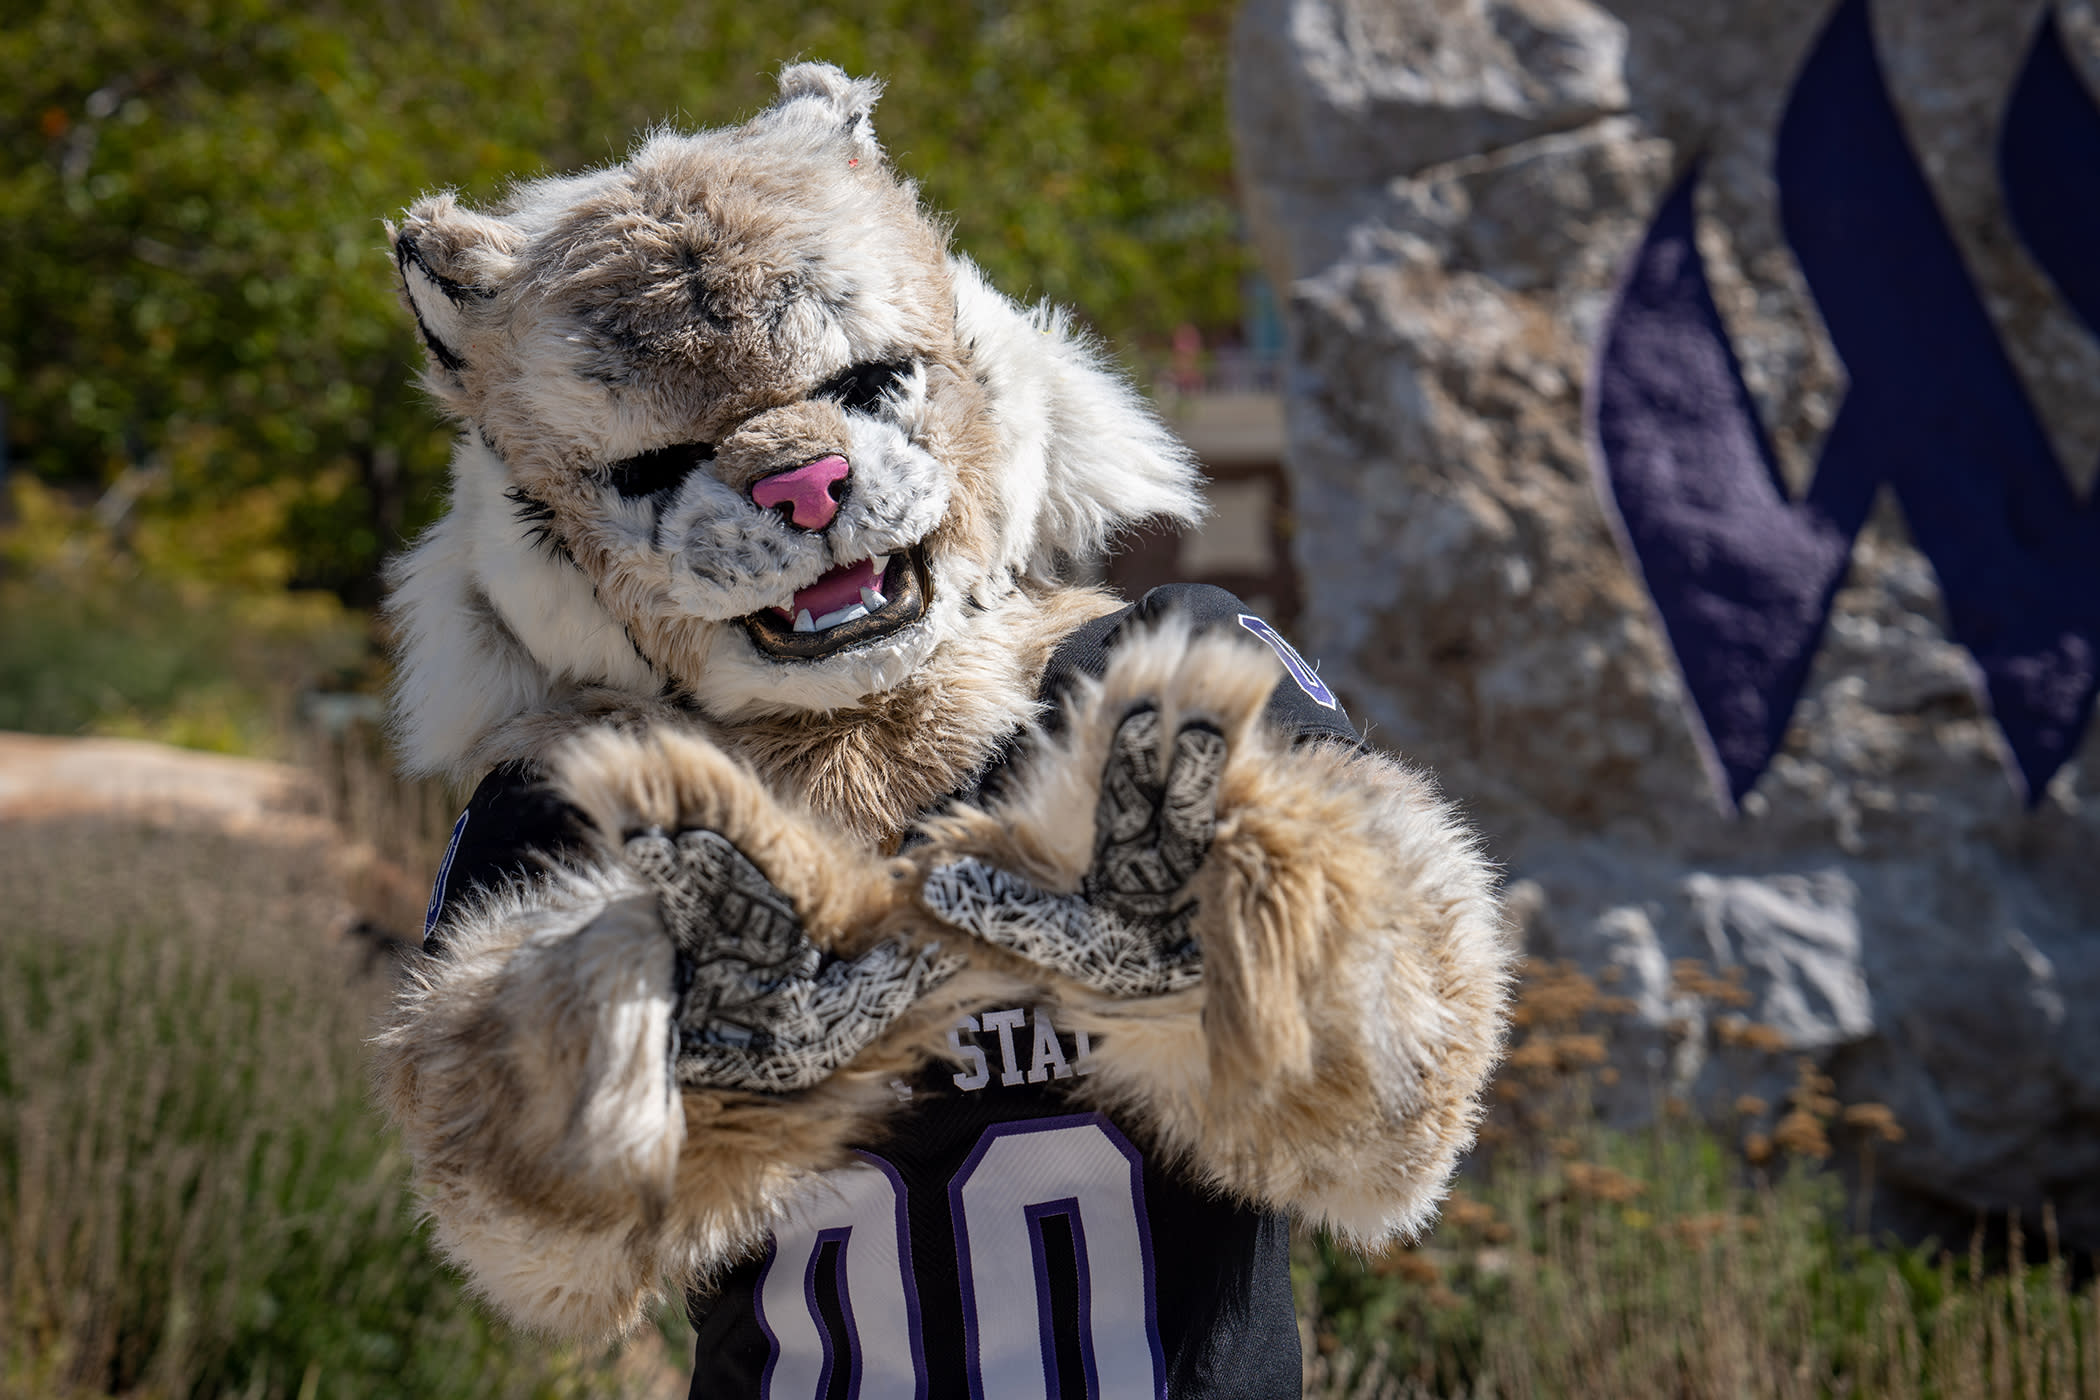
x: 207, y: 381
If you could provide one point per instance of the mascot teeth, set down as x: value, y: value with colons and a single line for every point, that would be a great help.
x: 850, y: 605
x: 829, y: 620
x: 833, y: 593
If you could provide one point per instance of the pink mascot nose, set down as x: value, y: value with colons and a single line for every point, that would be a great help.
x: 806, y: 490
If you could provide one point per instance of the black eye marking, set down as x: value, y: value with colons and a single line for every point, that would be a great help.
x: 659, y: 470
x: 863, y: 387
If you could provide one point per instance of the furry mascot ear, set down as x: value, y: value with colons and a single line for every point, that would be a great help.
x: 1087, y: 456
x: 452, y: 264
x: 830, y: 102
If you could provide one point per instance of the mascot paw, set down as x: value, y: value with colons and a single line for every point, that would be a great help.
x: 758, y: 1006
x: 717, y: 906
x: 1127, y: 932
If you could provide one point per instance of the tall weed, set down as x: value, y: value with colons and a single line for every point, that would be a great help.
x: 1582, y: 1263
x: 198, y: 1199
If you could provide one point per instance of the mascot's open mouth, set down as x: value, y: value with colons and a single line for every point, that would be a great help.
x: 851, y: 605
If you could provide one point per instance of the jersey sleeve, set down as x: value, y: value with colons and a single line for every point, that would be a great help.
x: 1302, y: 704
x: 513, y: 826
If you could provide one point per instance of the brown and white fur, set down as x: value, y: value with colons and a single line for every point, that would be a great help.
x: 707, y: 290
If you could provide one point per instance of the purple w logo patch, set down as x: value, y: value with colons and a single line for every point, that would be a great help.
x: 1742, y: 575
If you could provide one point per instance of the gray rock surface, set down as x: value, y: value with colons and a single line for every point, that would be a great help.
x: 1449, y: 190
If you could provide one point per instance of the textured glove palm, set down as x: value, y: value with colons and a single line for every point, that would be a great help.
x: 758, y: 1006
x: 1126, y: 933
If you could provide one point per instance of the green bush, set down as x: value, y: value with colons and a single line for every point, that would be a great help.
x: 194, y: 283
x: 100, y: 639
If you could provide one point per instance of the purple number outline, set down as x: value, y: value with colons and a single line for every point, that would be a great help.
x: 1144, y: 1223
x: 437, y: 888
x: 1308, y: 680
x: 1039, y: 1253
x: 842, y: 1234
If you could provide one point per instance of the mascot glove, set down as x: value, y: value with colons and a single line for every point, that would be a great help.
x: 758, y: 1006
x: 1127, y: 932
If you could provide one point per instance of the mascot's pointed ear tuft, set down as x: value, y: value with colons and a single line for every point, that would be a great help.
x: 847, y: 105
x: 452, y: 261
x: 1091, y: 456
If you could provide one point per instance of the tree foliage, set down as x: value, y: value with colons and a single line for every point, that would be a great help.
x: 194, y: 288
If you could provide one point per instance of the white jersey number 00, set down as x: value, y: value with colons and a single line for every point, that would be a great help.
x: 1018, y: 1176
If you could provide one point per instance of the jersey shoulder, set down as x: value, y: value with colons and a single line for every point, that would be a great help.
x: 512, y: 827
x: 1302, y: 704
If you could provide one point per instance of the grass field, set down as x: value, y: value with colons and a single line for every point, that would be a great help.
x: 1684, y: 1260
x: 200, y: 1202
x: 198, y: 1198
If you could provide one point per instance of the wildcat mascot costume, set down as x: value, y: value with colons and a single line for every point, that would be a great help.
x: 951, y: 976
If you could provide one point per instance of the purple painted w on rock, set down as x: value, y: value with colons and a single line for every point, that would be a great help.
x: 1742, y: 575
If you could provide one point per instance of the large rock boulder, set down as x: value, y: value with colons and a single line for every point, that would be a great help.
x: 1451, y: 191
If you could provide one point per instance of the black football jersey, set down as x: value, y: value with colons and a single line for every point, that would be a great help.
x: 999, y: 1239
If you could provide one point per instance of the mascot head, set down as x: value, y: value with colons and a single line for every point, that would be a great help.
x: 740, y: 434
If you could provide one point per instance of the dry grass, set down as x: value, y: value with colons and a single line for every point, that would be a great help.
x: 198, y: 1199
x: 1682, y: 1262
x: 396, y: 829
